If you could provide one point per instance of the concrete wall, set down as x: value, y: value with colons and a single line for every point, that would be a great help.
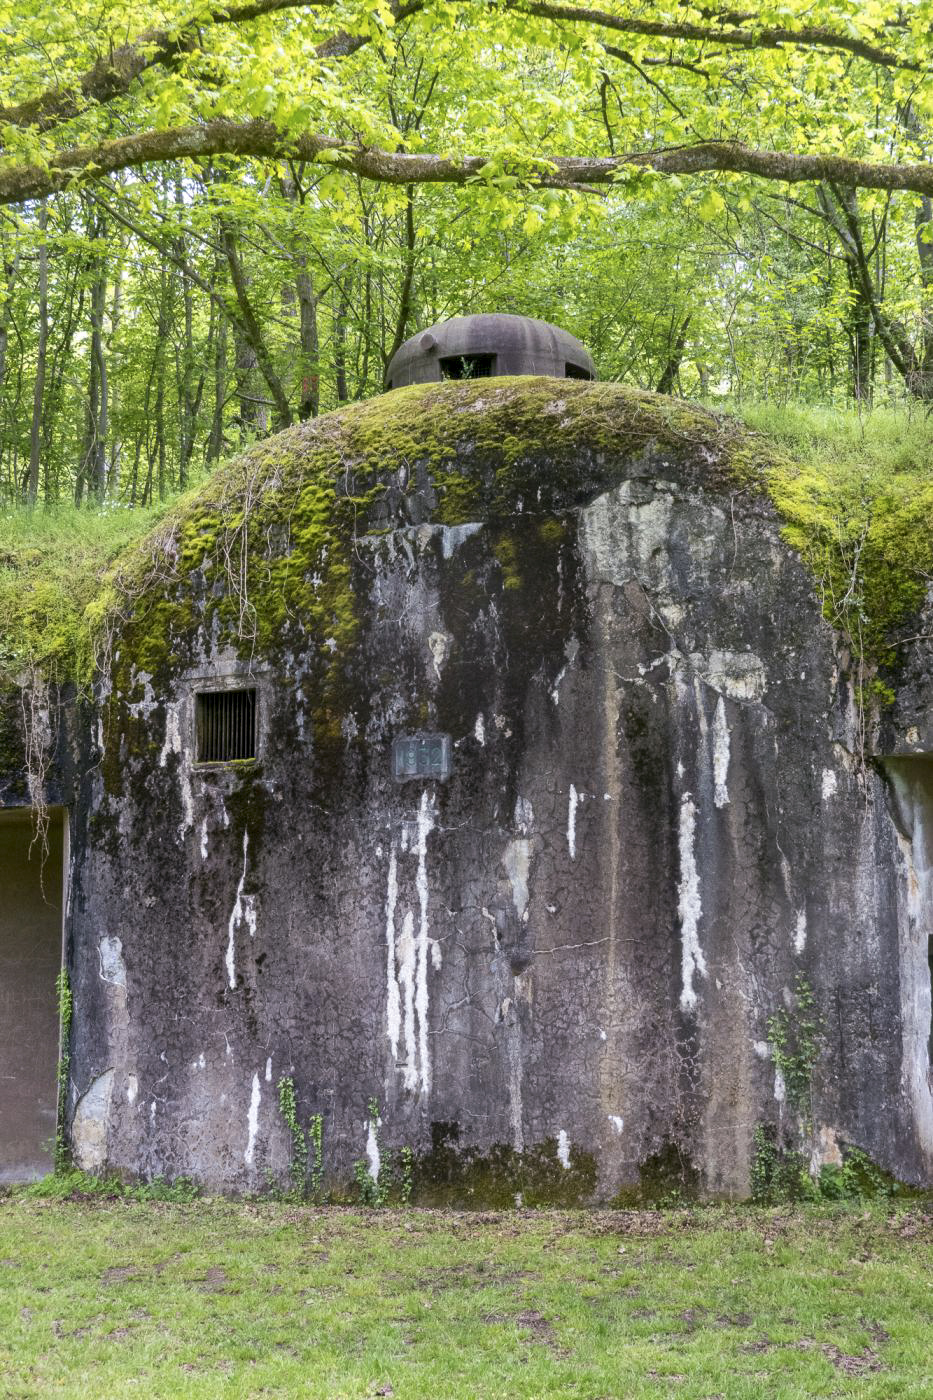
x: 557, y: 973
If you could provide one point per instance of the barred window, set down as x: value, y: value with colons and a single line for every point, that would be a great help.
x: 225, y: 725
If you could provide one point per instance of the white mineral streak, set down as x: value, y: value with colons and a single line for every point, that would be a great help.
x: 406, y: 977
x: 800, y: 932
x: 786, y: 878
x: 739, y: 675
x: 173, y: 744
x: 479, y: 730
x: 252, y: 1122
x: 516, y: 862
x: 508, y: 1012
x: 700, y: 710
x: 688, y: 904
x: 563, y: 1149
x: 626, y: 538
x: 393, y: 1000
x: 439, y: 647
x: 269, y: 1070
x: 780, y: 1088
x: 243, y: 912
x: 425, y: 827
x: 204, y: 846
x: 720, y: 755
x: 452, y: 536
x: 616, y: 1122
x: 407, y: 956
x: 132, y: 1089
x: 372, y: 1148
x: 915, y: 901
x: 829, y: 784
x: 112, y: 968
x: 573, y: 802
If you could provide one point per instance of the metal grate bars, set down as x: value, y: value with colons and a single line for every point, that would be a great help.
x: 225, y: 725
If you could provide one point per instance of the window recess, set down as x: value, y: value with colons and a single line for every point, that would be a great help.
x: 225, y: 725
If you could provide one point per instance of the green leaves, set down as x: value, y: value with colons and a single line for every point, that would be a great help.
x: 710, y: 206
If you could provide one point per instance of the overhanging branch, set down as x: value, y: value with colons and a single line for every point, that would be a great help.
x: 113, y: 76
x: 755, y: 36
x: 261, y: 140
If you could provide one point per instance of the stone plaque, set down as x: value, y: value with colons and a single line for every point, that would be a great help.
x: 421, y: 756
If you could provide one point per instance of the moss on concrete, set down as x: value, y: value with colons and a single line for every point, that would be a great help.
x: 267, y: 546
x: 264, y: 552
x: 449, y: 1175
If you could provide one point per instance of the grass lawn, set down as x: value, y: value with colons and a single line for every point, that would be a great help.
x: 111, y: 1298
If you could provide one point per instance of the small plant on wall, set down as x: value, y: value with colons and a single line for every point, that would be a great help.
x: 307, y: 1146
x: 65, y: 1013
x: 383, y: 1175
x: 796, y: 1038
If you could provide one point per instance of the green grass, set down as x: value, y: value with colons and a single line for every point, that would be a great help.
x: 112, y: 1298
x: 892, y: 440
x: 51, y: 564
x: 855, y: 491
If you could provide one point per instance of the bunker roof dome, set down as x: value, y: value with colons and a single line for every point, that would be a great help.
x: 480, y: 347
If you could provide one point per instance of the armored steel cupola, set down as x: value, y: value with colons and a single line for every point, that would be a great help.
x: 480, y: 347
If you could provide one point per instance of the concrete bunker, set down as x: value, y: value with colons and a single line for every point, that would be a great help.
x: 30, y: 960
x: 554, y: 798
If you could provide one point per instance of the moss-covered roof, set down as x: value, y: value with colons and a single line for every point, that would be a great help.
x: 268, y: 537
x: 275, y: 528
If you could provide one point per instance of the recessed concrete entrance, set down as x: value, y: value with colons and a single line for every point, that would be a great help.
x: 30, y: 958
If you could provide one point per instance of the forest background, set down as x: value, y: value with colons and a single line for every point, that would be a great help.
x: 216, y: 220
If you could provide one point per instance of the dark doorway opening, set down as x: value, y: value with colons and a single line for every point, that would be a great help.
x: 575, y: 371
x: 30, y: 961
x: 468, y: 366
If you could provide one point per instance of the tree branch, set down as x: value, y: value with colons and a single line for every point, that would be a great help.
x: 760, y: 37
x: 262, y: 140
x: 112, y: 77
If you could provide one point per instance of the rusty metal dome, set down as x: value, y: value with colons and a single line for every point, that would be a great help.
x: 479, y: 347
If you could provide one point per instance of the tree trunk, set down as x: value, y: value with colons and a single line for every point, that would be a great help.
x: 92, y: 470
x: 310, y: 403
x: 408, y: 279
x: 675, y: 355
x: 250, y: 332
x: 97, y: 348
x: 340, y: 340
x: 215, y: 441
x: 35, y: 434
x: 116, y: 445
x: 11, y: 270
